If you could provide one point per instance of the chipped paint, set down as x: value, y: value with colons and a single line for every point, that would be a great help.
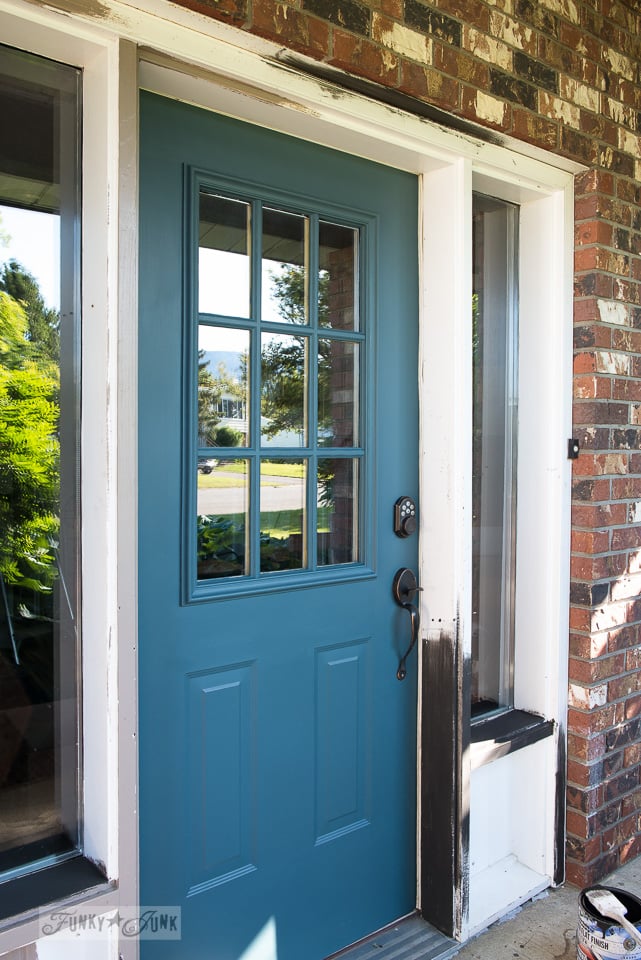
x: 490, y: 108
x: 613, y: 362
x: 226, y: 83
x: 487, y: 48
x: 612, y: 311
x: 85, y: 8
x: 629, y: 142
x: 552, y: 106
x: 409, y: 43
x: 565, y: 8
x: 586, y: 698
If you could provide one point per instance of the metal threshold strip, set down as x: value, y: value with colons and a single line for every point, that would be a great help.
x: 408, y: 939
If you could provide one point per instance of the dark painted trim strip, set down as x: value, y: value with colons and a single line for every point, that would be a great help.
x: 445, y: 726
x: 386, y: 95
x: 559, y: 811
x: 498, y: 736
x: 63, y: 881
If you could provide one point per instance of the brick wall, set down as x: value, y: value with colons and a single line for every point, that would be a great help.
x: 563, y: 75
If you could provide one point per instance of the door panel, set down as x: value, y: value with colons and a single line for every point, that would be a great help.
x: 277, y: 747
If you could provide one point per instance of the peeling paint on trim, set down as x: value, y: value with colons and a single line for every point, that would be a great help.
x: 85, y: 8
x: 226, y: 83
x: 339, y: 84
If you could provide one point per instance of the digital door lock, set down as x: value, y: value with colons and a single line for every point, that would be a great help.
x: 405, y: 519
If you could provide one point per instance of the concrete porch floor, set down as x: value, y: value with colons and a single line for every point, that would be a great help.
x: 544, y: 929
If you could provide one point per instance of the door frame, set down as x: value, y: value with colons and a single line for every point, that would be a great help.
x: 171, y: 50
x: 449, y: 166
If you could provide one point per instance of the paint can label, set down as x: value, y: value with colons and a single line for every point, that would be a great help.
x: 598, y: 938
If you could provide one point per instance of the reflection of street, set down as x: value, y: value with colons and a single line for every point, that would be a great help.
x: 277, y: 493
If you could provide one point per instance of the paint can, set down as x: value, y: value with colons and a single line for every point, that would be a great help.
x: 598, y: 937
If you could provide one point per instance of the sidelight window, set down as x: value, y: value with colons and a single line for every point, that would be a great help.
x: 39, y: 453
x: 494, y: 421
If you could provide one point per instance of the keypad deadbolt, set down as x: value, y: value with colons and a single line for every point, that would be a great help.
x: 405, y: 518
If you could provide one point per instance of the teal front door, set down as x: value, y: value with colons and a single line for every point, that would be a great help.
x: 278, y: 427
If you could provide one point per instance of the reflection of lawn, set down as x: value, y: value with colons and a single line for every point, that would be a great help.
x: 267, y: 469
x: 233, y: 474
x: 281, y: 523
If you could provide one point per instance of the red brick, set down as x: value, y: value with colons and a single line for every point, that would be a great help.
x: 535, y: 129
x: 232, y: 11
x: 585, y: 851
x: 456, y: 64
x: 594, y: 671
x: 580, y: 619
x: 365, y: 58
x: 624, y: 686
x: 280, y: 22
x: 585, y: 208
x: 594, y: 515
x: 629, y: 340
x: 597, y: 720
x: 571, y: 36
x: 632, y: 757
x: 623, y: 637
x: 594, y: 285
x: 627, y: 538
x: 587, y: 648
x: 590, y: 490
x: 427, y: 84
x: 633, y: 659
x: 586, y: 748
x: 586, y: 311
x: 592, y: 388
x: 586, y: 259
x: 577, y: 824
x: 393, y: 8
x: 632, y: 709
x: 474, y: 12
x: 585, y: 362
x: 626, y: 389
x: 585, y: 541
x: 593, y: 231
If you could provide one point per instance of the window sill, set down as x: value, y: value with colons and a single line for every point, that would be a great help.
x: 500, y: 735
x: 75, y: 878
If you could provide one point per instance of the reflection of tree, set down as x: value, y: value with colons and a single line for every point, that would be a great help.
x: 29, y: 448
x: 283, y: 359
x: 212, y: 388
x: 43, y: 322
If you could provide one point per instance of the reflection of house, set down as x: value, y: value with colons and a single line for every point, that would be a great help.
x: 233, y: 414
x: 526, y: 107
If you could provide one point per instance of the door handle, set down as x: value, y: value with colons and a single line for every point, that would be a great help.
x: 404, y: 586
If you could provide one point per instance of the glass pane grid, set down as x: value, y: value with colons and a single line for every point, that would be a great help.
x: 298, y: 385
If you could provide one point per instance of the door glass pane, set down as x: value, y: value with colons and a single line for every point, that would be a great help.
x: 223, y: 518
x: 337, y: 393
x: 495, y: 357
x: 224, y: 256
x: 284, y: 268
x: 283, y: 390
x: 282, y: 514
x: 338, y: 277
x: 223, y: 386
x: 337, y: 513
x: 39, y: 453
